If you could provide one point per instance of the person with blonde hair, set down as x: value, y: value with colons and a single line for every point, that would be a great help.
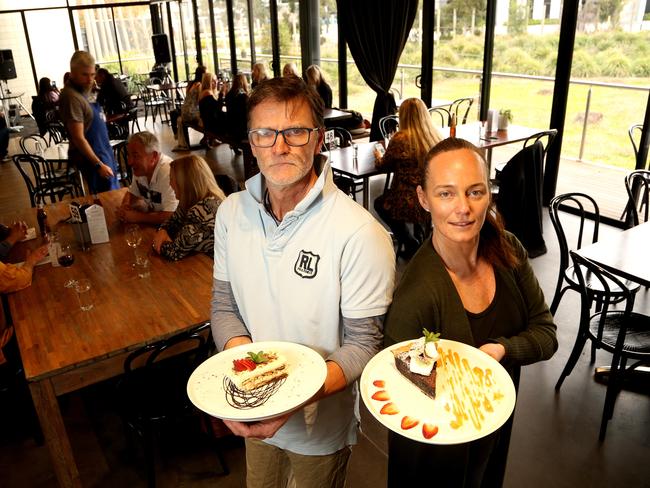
x: 211, y: 105
x: 90, y: 149
x: 398, y: 205
x: 290, y: 69
x: 314, y: 77
x: 191, y: 228
x: 259, y: 74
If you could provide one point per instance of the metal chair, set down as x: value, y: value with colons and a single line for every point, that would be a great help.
x: 151, y: 103
x: 57, y: 133
x: 336, y: 137
x: 152, y: 392
x: 637, y: 184
x: 633, y: 138
x: 440, y: 113
x: 461, y: 107
x: 549, y: 135
x: 33, y: 144
x: 388, y: 125
x: 41, y: 179
x: 623, y: 333
x: 125, y: 172
x: 582, y: 205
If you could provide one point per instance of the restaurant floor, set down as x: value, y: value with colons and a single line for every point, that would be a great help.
x: 554, y: 441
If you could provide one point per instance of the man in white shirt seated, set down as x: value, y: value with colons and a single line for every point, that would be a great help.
x: 150, y: 199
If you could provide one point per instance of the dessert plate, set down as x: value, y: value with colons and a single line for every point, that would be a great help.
x: 306, y: 374
x: 474, y: 396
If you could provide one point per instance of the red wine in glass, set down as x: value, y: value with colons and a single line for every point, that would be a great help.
x: 66, y: 258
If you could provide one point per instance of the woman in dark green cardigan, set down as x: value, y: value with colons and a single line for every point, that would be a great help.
x: 471, y: 282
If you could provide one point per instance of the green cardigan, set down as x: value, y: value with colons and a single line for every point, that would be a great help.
x: 427, y: 298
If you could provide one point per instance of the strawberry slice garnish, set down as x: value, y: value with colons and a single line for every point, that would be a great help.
x: 429, y: 430
x: 240, y: 365
x: 379, y: 383
x: 389, y: 409
x: 409, y: 422
x: 381, y: 396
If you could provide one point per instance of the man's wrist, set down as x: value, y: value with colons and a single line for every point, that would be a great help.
x: 98, y: 165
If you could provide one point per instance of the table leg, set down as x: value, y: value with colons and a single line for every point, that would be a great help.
x: 366, y: 185
x: 56, y: 437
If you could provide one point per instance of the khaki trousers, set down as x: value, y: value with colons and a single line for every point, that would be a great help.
x: 271, y: 467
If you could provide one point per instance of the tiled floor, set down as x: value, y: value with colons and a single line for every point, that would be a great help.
x: 554, y: 441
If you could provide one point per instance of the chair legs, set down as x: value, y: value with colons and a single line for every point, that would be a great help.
x: 573, y: 358
x: 614, y: 380
x: 559, y: 292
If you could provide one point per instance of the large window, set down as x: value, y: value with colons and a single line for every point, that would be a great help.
x: 242, y: 35
x: 289, y: 27
x: 262, y: 33
x: 329, y: 44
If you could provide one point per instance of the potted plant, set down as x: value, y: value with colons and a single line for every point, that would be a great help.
x: 505, y: 117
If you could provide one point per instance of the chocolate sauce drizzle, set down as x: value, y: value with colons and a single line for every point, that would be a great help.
x: 242, y: 400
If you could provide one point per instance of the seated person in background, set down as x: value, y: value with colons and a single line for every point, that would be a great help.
x: 472, y: 283
x: 407, y: 148
x: 259, y: 74
x: 211, y: 106
x: 236, y: 114
x: 191, y: 228
x: 150, y: 199
x: 189, y: 114
x: 4, y: 137
x: 44, y: 103
x: 314, y: 78
x: 290, y: 69
x: 15, y: 277
x: 112, y: 94
x: 10, y: 236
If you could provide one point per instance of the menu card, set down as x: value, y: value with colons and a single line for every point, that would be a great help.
x: 97, y: 224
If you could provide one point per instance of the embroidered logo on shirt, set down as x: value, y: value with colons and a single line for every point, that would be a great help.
x: 152, y: 195
x: 307, y: 264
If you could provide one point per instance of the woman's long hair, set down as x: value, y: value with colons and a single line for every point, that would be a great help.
x: 206, y: 81
x: 493, y: 244
x: 239, y: 84
x: 415, y: 122
x: 194, y: 181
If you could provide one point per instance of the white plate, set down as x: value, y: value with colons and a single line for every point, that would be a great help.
x: 409, y: 401
x: 306, y: 374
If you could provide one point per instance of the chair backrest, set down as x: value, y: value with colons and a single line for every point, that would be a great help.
x: 584, y: 207
x: 461, y: 107
x: 33, y: 144
x: 336, y: 137
x: 545, y: 137
x: 633, y: 137
x: 637, y: 184
x: 37, y: 172
x: 121, y: 157
x: 440, y: 114
x: 24, y: 165
x: 57, y: 132
x: 388, y: 125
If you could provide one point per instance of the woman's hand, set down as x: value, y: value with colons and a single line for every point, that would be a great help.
x: 35, y: 256
x: 497, y: 351
x: 159, y: 239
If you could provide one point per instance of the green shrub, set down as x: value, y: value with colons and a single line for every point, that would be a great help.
x: 642, y: 67
x: 583, y: 65
x: 516, y: 60
x: 614, y: 63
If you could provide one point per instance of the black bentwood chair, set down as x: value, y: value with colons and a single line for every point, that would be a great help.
x: 623, y: 333
x: 388, y: 125
x: 41, y: 179
x: 582, y: 205
x: 637, y: 184
x: 152, y: 393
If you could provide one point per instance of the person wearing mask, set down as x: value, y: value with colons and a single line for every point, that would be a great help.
x: 259, y: 74
x: 90, y: 149
x: 398, y: 205
x: 314, y: 78
x: 151, y: 198
x: 472, y: 283
x: 322, y: 269
x: 191, y: 228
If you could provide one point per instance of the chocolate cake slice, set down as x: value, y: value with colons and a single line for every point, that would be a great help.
x: 426, y: 383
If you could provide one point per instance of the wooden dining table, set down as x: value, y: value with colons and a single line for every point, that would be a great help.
x: 64, y: 348
x: 361, y: 166
x: 624, y: 253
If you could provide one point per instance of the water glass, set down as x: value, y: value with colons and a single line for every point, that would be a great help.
x: 83, y: 287
x: 142, y: 263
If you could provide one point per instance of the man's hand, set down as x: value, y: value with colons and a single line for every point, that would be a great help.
x: 258, y: 430
x: 497, y: 351
x: 17, y: 232
x: 105, y: 171
x: 126, y: 214
x: 159, y: 239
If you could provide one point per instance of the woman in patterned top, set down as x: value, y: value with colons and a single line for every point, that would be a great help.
x: 191, y: 228
x: 406, y: 151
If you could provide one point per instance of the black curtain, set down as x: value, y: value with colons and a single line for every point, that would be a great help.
x: 376, y: 32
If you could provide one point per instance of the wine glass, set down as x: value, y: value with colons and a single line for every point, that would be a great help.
x: 65, y: 259
x: 133, y: 236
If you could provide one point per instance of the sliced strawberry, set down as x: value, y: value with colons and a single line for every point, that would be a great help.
x: 429, y: 430
x: 389, y: 409
x: 249, y: 364
x: 379, y: 383
x: 409, y: 422
x: 243, y: 365
x: 381, y: 396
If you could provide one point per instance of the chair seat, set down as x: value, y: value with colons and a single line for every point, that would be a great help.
x: 595, y: 286
x: 637, y: 337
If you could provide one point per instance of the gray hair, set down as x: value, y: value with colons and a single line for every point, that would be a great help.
x: 81, y: 59
x: 149, y: 141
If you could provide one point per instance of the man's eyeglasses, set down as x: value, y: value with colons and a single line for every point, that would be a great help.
x: 295, y: 136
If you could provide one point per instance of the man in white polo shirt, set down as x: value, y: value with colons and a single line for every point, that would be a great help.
x: 297, y: 260
x: 150, y: 199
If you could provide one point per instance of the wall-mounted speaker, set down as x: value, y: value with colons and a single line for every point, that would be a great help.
x: 7, y: 67
x: 161, y: 48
